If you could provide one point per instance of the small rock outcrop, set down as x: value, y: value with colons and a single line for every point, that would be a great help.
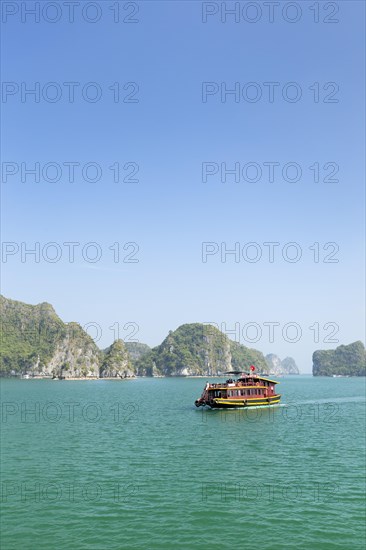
x: 116, y: 362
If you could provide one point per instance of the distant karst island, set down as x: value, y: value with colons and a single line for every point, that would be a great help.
x: 277, y: 367
x: 36, y: 343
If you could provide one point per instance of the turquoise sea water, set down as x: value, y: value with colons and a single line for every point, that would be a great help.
x: 133, y: 464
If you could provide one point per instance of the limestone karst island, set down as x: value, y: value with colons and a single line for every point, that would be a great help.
x: 36, y: 343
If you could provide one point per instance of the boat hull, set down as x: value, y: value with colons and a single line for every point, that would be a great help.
x: 220, y: 403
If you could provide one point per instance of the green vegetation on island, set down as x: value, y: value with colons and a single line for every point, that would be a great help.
x: 137, y: 349
x: 197, y: 349
x: 116, y: 362
x: 343, y: 361
x: 26, y: 333
x: 35, y: 341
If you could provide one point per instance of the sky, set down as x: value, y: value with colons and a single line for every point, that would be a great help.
x: 180, y: 162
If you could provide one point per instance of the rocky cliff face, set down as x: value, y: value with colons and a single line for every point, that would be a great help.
x: 343, y: 361
x: 197, y: 349
x: 117, y: 362
x: 75, y: 356
x: 35, y: 341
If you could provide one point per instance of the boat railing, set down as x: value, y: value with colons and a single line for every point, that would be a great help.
x: 237, y: 384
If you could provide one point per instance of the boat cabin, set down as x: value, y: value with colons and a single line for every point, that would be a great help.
x: 247, y: 389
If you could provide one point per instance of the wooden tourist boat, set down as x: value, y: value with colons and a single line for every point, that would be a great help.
x: 247, y: 390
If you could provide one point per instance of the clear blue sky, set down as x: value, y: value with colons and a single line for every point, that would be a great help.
x: 169, y: 133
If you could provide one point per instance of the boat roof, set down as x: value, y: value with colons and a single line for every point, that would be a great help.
x: 234, y: 372
x: 268, y: 379
x: 251, y: 375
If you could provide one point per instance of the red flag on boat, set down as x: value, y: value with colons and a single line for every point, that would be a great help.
x: 252, y: 367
